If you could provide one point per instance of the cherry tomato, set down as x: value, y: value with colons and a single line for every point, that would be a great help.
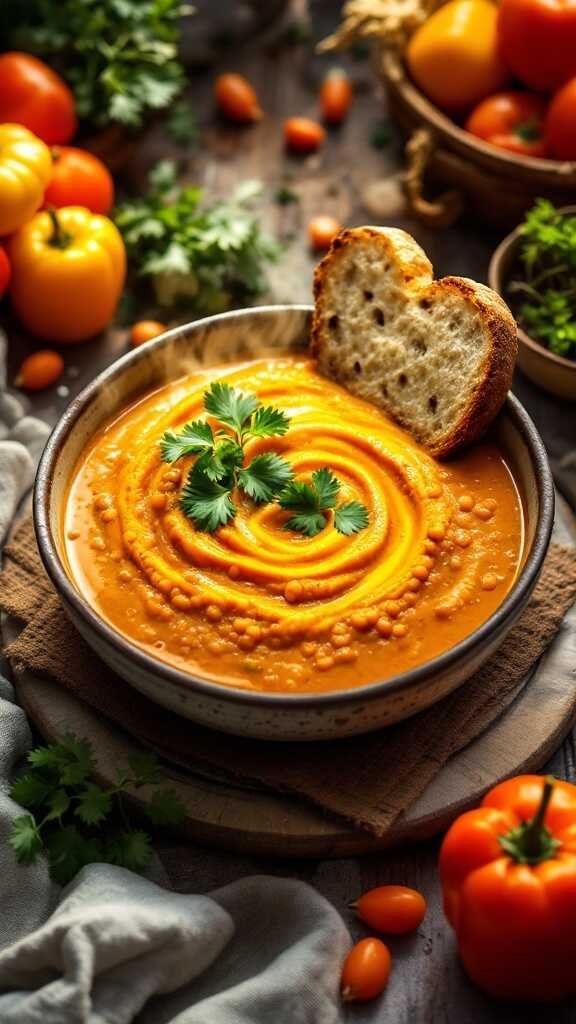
x: 366, y: 971
x: 40, y: 370
x: 321, y: 231
x: 512, y: 121
x: 538, y: 41
x: 391, y: 908
x: 35, y: 96
x: 79, y: 179
x: 4, y: 271
x: 237, y: 99
x: 145, y: 330
x: 335, y: 96
x: 561, y: 123
x: 302, y: 135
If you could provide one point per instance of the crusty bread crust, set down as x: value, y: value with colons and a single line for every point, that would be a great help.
x: 398, y: 252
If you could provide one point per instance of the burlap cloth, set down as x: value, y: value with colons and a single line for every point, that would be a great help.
x: 367, y: 780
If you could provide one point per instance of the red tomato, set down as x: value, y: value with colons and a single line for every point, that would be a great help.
x: 35, y: 96
x: 366, y: 971
x: 538, y: 41
x: 391, y: 908
x: 4, y: 271
x: 335, y: 96
x: 321, y: 231
x: 561, y: 123
x: 79, y: 179
x: 302, y: 135
x: 511, y: 120
x: 145, y: 330
x: 237, y: 99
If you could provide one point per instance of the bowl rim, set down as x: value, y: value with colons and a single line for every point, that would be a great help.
x: 175, y: 677
x: 495, y: 280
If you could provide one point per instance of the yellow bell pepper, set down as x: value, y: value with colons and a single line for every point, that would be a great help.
x: 25, y: 170
x: 68, y: 269
x: 454, y: 55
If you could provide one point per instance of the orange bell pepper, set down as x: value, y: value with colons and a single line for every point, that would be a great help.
x: 68, y: 269
x: 508, y: 872
x: 454, y: 55
x: 25, y: 170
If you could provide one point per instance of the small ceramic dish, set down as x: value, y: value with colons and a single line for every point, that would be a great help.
x: 227, y: 338
x: 555, y: 374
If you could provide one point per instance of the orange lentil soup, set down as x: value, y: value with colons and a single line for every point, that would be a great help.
x: 259, y: 607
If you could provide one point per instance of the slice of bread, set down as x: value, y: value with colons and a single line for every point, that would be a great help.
x: 437, y: 355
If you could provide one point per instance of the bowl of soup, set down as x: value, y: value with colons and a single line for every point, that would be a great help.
x: 256, y: 628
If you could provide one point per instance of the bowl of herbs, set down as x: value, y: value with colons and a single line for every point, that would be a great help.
x: 534, y: 269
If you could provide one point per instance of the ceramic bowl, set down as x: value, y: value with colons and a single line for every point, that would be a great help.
x: 555, y: 374
x: 274, y: 330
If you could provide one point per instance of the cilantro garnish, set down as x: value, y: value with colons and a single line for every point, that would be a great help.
x: 310, y: 503
x: 67, y: 810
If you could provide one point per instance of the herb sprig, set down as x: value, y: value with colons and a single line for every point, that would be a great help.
x: 312, y: 502
x: 68, y: 810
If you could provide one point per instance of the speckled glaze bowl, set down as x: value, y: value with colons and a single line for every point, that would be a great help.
x: 231, y: 337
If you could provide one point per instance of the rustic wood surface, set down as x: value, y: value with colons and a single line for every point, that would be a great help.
x: 358, y: 183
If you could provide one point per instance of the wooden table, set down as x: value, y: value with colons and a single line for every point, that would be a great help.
x: 428, y: 985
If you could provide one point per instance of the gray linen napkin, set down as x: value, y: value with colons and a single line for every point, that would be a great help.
x: 113, y: 947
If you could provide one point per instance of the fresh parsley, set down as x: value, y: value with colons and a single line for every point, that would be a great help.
x: 311, y: 503
x: 548, y: 269
x: 182, y: 124
x: 67, y: 810
x: 211, y: 256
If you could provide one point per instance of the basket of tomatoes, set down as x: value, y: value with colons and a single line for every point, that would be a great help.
x: 486, y: 94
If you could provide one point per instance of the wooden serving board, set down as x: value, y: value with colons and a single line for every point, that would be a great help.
x: 251, y: 820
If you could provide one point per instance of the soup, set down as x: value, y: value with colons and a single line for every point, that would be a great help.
x: 259, y: 606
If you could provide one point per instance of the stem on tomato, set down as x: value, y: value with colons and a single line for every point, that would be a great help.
x: 60, y: 238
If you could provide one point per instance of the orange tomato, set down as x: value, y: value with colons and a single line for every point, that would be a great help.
x: 145, y: 330
x: 302, y: 135
x: 561, y: 123
x: 237, y: 99
x: 391, y: 908
x: 366, y: 971
x: 33, y: 95
x: 40, y: 370
x: 538, y: 41
x: 335, y: 96
x: 79, y: 179
x: 321, y: 231
x: 512, y: 121
x: 4, y: 271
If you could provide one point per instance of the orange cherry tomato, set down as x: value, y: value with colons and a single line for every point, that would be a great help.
x: 538, y: 41
x: 302, y: 135
x: 4, y: 271
x: 40, y: 370
x: 321, y: 231
x: 237, y: 99
x: 391, y: 908
x: 335, y: 96
x: 145, y: 330
x: 366, y: 971
x: 33, y: 95
x: 512, y: 121
x: 79, y: 179
x: 561, y: 123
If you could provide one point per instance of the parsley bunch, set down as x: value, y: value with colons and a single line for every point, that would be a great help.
x: 69, y: 810
x: 548, y: 288
x: 211, y: 256
x: 119, y: 56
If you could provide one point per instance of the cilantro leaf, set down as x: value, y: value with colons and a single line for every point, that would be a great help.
x: 59, y: 803
x: 350, y: 517
x: 192, y: 439
x: 145, y: 768
x: 269, y: 422
x: 265, y: 476
x: 308, y: 523
x: 25, y: 839
x: 30, y: 790
x: 229, y: 405
x: 166, y: 808
x: 182, y: 124
x: 130, y: 850
x: 68, y: 851
x: 327, y: 487
x: 223, y: 462
x: 94, y: 804
x: 207, y: 502
x: 299, y: 496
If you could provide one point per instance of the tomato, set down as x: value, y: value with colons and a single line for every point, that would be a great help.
x: 321, y: 231
x: 538, y: 41
x: 302, y: 135
x: 40, y: 370
x: 4, y: 271
x: 391, y: 908
x: 366, y: 971
x: 561, y: 123
x: 33, y: 95
x: 335, y: 96
x: 145, y: 330
x: 512, y: 121
x: 79, y: 179
x: 237, y: 99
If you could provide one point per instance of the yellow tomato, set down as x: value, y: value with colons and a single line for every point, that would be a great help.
x: 454, y: 55
x: 25, y: 169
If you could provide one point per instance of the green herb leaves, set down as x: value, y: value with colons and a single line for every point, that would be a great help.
x: 312, y: 502
x: 67, y: 810
x: 219, y: 468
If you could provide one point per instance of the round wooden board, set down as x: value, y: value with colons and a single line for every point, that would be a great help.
x: 257, y: 821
